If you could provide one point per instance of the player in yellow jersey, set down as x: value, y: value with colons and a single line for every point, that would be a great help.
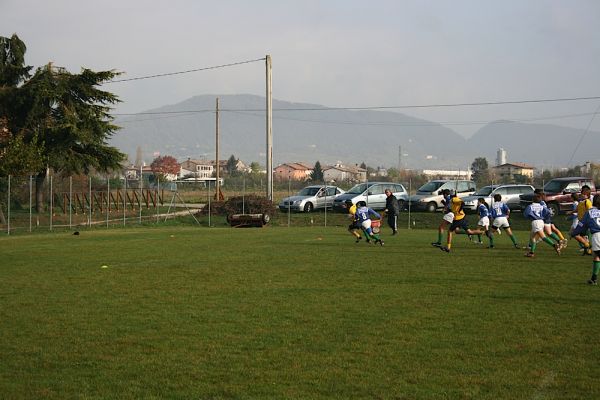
x: 458, y: 223
x: 354, y: 228
x: 582, y: 207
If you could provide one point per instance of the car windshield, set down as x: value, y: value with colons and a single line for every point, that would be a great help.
x: 554, y: 186
x: 484, y: 191
x: 358, y: 189
x: 309, y: 191
x: 430, y: 187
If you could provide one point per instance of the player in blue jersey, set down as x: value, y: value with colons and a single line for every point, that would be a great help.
x: 484, y: 221
x: 363, y: 217
x: 536, y: 212
x: 550, y: 229
x: 500, y: 213
x: 591, y: 221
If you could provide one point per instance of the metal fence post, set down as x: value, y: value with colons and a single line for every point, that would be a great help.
x: 30, y: 201
x: 107, y: 199
x: 8, y: 208
x: 51, y: 200
x: 70, y: 204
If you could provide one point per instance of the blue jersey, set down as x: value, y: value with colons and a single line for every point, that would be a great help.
x: 483, y: 211
x: 573, y: 216
x: 446, y: 201
x: 536, y: 211
x: 364, y: 213
x: 591, y: 221
x: 499, y: 209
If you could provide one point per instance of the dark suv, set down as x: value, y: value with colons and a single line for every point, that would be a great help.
x: 558, y: 193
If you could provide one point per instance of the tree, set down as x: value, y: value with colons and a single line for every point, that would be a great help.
x: 63, y: 115
x: 255, y: 167
x: 232, y: 165
x: 480, y: 171
x: 317, y: 173
x: 165, y: 165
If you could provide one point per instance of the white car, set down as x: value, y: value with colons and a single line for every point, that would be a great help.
x: 311, y: 198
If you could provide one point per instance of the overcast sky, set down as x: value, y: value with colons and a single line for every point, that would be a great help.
x: 338, y: 53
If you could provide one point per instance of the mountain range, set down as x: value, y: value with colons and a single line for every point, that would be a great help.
x: 310, y: 132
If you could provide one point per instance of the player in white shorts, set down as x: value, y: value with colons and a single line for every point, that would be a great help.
x: 536, y: 213
x: 500, y: 213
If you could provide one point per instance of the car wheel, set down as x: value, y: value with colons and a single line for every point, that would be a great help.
x: 401, y: 204
x: 554, y: 209
x: 431, y: 206
x: 308, y: 207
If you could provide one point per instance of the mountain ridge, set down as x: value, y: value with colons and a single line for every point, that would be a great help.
x: 187, y: 130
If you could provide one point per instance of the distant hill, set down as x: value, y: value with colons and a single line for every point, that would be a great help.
x: 542, y: 145
x: 328, y: 136
x: 348, y: 136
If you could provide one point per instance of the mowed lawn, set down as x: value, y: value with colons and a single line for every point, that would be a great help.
x: 292, y: 313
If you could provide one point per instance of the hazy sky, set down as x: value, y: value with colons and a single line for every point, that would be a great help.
x: 338, y: 53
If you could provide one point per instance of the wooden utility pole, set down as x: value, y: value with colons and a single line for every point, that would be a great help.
x: 269, y: 125
x: 217, y: 186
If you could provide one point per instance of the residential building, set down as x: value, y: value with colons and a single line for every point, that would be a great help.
x: 200, y: 169
x: 448, y: 174
x: 293, y: 171
x: 342, y: 173
x: 509, y: 172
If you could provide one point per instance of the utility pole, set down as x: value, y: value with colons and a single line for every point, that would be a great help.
x: 217, y: 186
x: 269, y: 124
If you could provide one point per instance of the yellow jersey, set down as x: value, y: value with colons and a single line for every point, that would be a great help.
x: 456, y: 207
x: 583, y: 207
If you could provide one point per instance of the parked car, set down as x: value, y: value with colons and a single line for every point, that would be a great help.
x: 311, y: 198
x: 373, y: 193
x: 558, y: 193
x: 429, y: 196
x: 510, y: 195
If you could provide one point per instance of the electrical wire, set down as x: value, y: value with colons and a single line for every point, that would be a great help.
x: 585, y: 132
x: 186, y: 72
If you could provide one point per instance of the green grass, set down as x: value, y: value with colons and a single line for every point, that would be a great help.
x: 277, y: 313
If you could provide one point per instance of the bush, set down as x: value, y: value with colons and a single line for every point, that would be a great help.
x: 250, y: 204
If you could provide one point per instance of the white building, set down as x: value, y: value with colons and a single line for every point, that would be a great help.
x: 500, y: 156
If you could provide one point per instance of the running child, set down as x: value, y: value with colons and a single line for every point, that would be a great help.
x: 363, y: 216
x: 582, y: 207
x: 536, y: 212
x: 447, y: 219
x: 354, y: 226
x: 500, y: 214
x: 458, y: 223
x: 591, y: 222
x: 484, y: 221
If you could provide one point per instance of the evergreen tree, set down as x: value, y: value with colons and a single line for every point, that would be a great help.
x: 63, y: 115
x: 317, y: 173
x: 480, y: 171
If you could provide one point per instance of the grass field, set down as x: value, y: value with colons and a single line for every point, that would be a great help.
x: 221, y: 313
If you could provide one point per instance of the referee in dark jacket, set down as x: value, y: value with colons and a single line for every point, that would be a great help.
x: 392, y: 209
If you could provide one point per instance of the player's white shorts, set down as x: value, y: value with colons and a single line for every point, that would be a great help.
x: 366, y: 224
x: 537, y: 226
x: 501, y: 222
x: 449, y: 217
x: 596, y: 241
x: 484, y: 221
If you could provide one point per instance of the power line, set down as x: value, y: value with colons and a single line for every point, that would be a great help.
x: 186, y: 72
x: 584, y: 134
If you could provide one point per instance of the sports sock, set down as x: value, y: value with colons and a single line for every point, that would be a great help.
x: 596, y: 269
x: 533, y: 246
x: 479, y: 237
x: 555, y: 237
x: 440, y: 236
x: 513, y: 238
x: 560, y: 235
x: 550, y: 242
